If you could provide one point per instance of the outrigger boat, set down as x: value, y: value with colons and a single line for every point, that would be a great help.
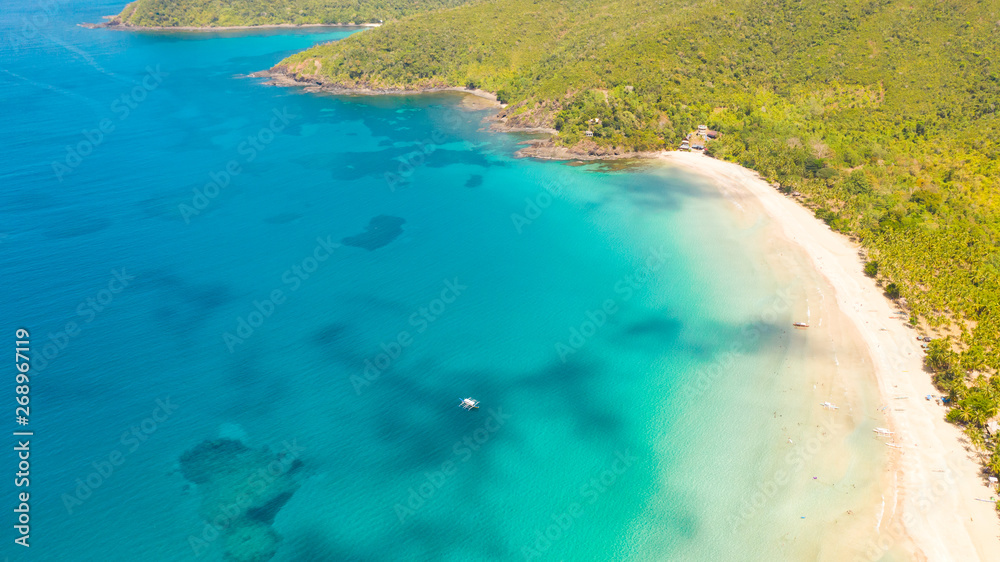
x: 829, y: 406
x: 800, y: 324
x: 469, y: 403
x: 882, y: 432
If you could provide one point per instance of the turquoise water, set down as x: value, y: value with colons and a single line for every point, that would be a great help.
x: 201, y: 246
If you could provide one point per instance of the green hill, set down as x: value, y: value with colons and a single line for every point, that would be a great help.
x: 881, y: 113
x: 220, y: 13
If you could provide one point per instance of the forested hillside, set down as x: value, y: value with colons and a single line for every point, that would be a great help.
x: 882, y: 113
x: 221, y: 13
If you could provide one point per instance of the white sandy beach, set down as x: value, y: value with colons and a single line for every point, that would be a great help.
x: 934, y: 511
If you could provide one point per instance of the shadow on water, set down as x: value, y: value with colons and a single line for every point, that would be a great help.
x: 164, y: 206
x: 76, y: 226
x: 395, y: 159
x: 251, y: 390
x: 662, y: 328
x: 414, y: 438
x: 283, y: 218
x: 338, y: 344
x: 417, y: 434
x: 182, y: 307
x: 312, y: 544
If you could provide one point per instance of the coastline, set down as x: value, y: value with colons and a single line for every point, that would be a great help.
x: 931, y: 510
x: 934, y: 479
x: 486, y: 100
x: 279, y: 75
x: 541, y: 149
x: 545, y: 149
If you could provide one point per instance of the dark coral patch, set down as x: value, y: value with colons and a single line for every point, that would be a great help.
x: 227, y: 473
x: 475, y: 180
x: 380, y: 231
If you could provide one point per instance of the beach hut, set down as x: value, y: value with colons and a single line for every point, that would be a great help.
x: 711, y: 134
x: 702, y: 128
x: 589, y: 133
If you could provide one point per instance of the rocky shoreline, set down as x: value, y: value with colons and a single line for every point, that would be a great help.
x: 542, y: 149
x: 546, y: 149
x: 278, y: 76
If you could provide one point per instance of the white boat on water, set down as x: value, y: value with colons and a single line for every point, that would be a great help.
x: 469, y: 403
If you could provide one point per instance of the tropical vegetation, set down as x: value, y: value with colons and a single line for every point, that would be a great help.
x: 880, y: 114
x: 222, y: 13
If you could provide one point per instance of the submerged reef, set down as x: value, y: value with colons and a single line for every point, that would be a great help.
x: 475, y: 180
x: 242, y: 490
x: 380, y: 231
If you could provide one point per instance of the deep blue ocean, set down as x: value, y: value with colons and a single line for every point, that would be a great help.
x: 199, y: 256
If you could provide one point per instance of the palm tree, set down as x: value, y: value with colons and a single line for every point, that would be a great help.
x: 960, y: 413
x: 994, y: 463
x: 977, y: 439
x: 993, y: 388
x: 980, y: 409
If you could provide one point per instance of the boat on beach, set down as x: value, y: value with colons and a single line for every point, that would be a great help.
x: 800, y: 324
x: 829, y: 406
x: 469, y: 403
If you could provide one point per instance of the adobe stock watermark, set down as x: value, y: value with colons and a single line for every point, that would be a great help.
x: 625, y: 288
x: 724, y: 361
x: 248, y: 149
x: 589, y: 493
x: 122, y: 107
x: 88, y: 309
x: 421, y: 319
x: 256, y: 484
x: 30, y: 27
x: 535, y: 206
x: 408, y: 163
x: 462, y: 451
x: 292, y: 278
x: 105, y: 466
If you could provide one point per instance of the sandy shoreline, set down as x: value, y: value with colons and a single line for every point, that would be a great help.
x: 935, y: 481
x: 931, y: 509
